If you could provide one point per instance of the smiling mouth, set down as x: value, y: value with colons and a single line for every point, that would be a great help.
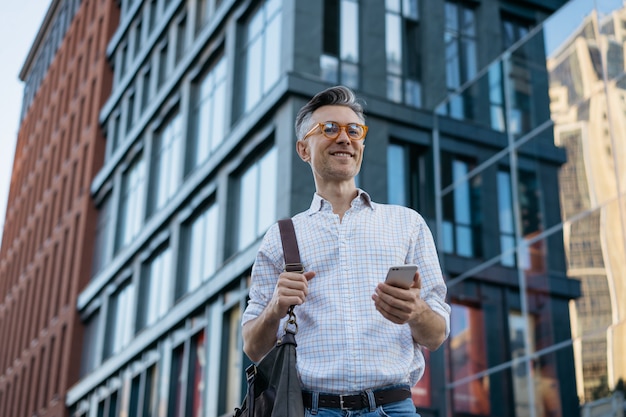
x: 342, y: 154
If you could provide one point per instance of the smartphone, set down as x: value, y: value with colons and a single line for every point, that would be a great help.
x: 401, y: 275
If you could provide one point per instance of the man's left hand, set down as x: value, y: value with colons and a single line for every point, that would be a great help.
x: 400, y: 305
x: 405, y: 305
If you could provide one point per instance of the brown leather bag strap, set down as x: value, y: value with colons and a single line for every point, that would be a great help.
x: 292, y: 264
x: 290, y: 246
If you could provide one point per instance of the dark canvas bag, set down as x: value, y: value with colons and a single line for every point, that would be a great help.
x: 273, y: 384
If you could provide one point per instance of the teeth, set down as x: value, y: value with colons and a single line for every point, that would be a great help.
x: 342, y: 154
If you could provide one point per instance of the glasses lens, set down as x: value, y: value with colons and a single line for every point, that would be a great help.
x: 354, y: 131
x: 330, y: 129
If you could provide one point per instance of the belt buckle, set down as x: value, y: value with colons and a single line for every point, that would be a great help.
x: 341, y: 406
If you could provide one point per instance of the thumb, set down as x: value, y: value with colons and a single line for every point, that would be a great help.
x: 417, y: 281
x: 309, y: 275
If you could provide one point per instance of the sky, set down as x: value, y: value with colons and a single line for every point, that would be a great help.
x: 20, y: 21
x: 561, y: 24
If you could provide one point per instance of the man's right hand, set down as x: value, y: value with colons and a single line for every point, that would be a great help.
x: 259, y: 334
x: 291, y: 289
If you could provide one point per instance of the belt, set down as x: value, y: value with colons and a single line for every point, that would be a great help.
x: 357, y: 401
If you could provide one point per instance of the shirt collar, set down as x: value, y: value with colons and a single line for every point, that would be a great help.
x: 362, y: 199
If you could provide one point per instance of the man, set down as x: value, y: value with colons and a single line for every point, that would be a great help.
x: 359, y: 339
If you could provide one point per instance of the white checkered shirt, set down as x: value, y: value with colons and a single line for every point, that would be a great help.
x: 344, y: 344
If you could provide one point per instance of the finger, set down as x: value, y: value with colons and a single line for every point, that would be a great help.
x: 292, y: 280
x: 388, y: 312
x: 292, y: 288
x: 394, y: 304
x: 392, y: 292
x: 417, y: 281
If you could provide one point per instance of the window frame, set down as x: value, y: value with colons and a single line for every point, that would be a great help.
x: 470, y: 197
x: 336, y: 63
x: 409, y: 34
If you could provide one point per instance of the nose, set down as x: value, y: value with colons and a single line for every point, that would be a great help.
x: 343, y: 136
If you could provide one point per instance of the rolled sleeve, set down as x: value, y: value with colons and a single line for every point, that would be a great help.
x: 265, y: 271
x: 434, y: 288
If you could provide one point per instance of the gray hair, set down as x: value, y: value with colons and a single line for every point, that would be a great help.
x: 333, y: 96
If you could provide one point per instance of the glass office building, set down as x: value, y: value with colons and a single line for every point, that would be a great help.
x: 200, y: 161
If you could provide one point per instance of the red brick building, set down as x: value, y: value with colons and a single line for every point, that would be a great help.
x: 46, y: 252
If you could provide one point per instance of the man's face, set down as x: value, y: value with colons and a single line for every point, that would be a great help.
x: 332, y: 160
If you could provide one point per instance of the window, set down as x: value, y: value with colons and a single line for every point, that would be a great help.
x: 461, y: 207
x: 340, y: 51
x: 131, y: 203
x: 163, y: 63
x: 531, y: 218
x: 152, y: 15
x: 145, y: 89
x: 89, y: 358
x: 461, y: 61
x: 520, y: 74
x: 231, y: 369
x: 506, y: 219
x: 200, y: 249
x: 144, y: 391
x: 107, y: 407
x: 403, y: 52
x: 261, y: 52
x: 130, y: 111
x: 122, y: 61
x: 101, y: 249
x: 135, y: 386
x: 166, y: 162
x: 202, y: 14
x: 405, y: 175
x: 496, y: 97
x: 181, y: 37
x: 197, y: 374
x: 397, y: 181
x: 187, y: 386
x: 155, y: 289
x: 208, y: 112
x: 585, y: 246
x: 177, y: 383
x: 151, y: 392
x: 137, y: 36
x: 115, y: 132
x: 468, y: 357
x: 544, y: 369
x: 513, y: 31
x: 519, y: 78
x: 257, y: 199
x: 119, y: 325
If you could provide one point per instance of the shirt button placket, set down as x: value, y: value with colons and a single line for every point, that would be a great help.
x: 348, y: 289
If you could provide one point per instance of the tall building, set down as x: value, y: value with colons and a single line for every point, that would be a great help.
x: 588, y: 92
x: 199, y: 161
x: 47, y: 242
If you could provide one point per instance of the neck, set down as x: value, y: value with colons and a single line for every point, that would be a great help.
x: 339, y: 196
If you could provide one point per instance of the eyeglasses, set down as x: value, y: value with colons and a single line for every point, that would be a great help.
x: 331, y: 130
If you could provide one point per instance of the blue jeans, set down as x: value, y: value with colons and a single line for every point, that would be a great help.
x: 398, y: 409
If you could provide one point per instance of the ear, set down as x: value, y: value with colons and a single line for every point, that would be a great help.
x: 302, y: 147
